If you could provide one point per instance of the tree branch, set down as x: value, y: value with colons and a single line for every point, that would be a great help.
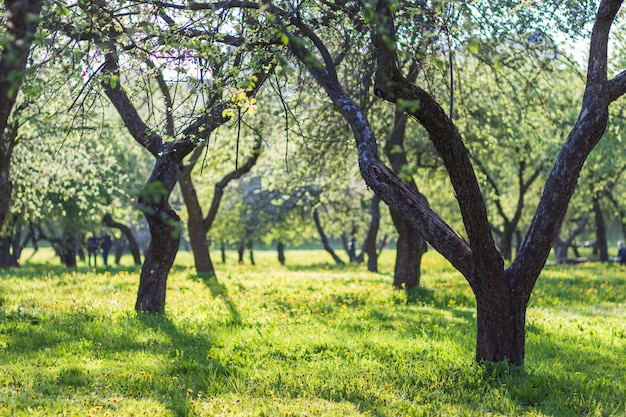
x: 392, y: 86
x: 617, y: 86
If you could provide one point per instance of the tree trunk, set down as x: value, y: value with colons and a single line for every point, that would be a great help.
x: 280, y: 248
x: 10, y: 243
x: 68, y: 249
x: 130, y: 237
x: 251, y: 251
x: 165, y: 228
x: 350, y: 247
x: 501, y: 296
x: 369, y: 245
x: 7, y: 260
x: 240, y: 251
x: 6, y: 187
x: 119, y: 247
x: 601, y: 243
x: 195, y: 224
x: 411, y: 245
x: 410, y: 248
x: 501, y: 322
x: 223, y: 251
x: 324, y: 239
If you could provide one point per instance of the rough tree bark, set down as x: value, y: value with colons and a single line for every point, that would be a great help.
x: 502, y: 295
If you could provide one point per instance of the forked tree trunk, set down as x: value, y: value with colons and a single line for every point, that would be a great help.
x: 164, y: 223
x: 502, y: 294
x: 198, y: 226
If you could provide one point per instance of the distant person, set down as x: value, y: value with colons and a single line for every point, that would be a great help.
x: 92, y: 249
x: 621, y: 253
x: 106, y: 245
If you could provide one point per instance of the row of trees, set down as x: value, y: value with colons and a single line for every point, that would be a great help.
x: 471, y: 104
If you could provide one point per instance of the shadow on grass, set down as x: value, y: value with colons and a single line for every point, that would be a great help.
x: 219, y: 291
x: 321, y: 267
x: 70, y: 343
x: 39, y: 271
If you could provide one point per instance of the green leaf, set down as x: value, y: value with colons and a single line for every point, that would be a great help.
x: 114, y: 81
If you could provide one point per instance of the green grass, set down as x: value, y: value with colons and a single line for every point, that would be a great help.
x: 309, y: 339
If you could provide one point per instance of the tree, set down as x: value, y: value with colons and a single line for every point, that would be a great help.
x: 113, y: 30
x: 501, y: 293
x: 20, y: 18
x: 198, y: 225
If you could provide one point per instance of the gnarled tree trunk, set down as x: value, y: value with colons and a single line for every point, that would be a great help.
x: 165, y: 228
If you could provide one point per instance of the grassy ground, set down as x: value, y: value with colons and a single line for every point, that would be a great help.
x: 308, y: 339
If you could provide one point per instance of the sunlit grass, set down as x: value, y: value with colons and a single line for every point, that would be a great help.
x: 308, y: 339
